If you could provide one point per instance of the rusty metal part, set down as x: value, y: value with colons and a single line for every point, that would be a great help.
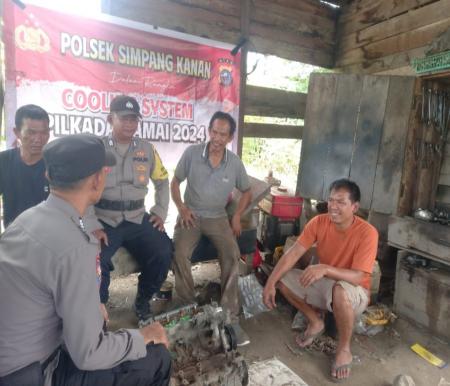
x: 203, y: 347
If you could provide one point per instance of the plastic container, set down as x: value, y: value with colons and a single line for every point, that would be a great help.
x: 282, y: 204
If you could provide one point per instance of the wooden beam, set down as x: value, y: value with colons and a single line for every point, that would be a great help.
x: 405, y: 22
x: 402, y: 42
x: 270, y: 14
x: 269, y: 102
x: 292, y: 37
x: 360, y: 14
x: 443, y: 195
x: 310, y: 6
x: 245, y: 31
x: 444, y: 179
x: 197, y: 21
x: 411, y: 160
x: 309, y: 40
x: 395, y: 64
x: 266, y: 45
x: 264, y: 130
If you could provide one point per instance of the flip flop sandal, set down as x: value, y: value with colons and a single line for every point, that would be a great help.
x: 336, y: 369
x: 304, y: 337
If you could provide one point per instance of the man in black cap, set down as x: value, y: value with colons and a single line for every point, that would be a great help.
x: 51, y: 325
x: 121, y: 209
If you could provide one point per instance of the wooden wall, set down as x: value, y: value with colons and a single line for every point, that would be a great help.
x: 356, y: 127
x: 300, y: 30
x: 443, y: 192
x: 382, y: 36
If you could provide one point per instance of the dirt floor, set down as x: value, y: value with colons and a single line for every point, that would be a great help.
x: 379, y: 359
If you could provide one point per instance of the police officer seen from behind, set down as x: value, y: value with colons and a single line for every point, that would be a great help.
x: 51, y: 325
x: 121, y: 209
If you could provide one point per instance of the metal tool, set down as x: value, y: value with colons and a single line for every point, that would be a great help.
x: 429, y: 106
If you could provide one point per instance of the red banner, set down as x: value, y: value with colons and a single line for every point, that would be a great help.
x: 74, y: 66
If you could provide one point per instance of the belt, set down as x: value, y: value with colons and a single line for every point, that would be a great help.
x: 120, y: 205
x: 51, y: 357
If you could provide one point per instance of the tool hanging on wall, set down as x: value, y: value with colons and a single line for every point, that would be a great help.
x: 435, y: 110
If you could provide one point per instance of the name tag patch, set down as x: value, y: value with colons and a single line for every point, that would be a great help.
x: 140, y: 159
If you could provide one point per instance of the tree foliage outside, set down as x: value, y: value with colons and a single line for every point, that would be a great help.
x: 281, y: 156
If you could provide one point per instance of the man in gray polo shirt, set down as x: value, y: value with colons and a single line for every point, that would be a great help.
x: 51, y: 325
x: 212, y: 172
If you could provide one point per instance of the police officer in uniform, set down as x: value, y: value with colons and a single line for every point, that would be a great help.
x: 51, y: 326
x: 121, y: 209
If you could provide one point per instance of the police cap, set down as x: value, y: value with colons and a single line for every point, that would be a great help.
x: 72, y: 158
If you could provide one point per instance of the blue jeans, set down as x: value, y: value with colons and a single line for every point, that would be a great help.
x: 152, y: 249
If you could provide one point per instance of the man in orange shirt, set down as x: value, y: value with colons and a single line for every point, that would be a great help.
x: 340, y: 283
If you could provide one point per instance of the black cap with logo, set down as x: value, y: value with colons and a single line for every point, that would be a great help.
x: 72, y: 158
x: 125, y: 105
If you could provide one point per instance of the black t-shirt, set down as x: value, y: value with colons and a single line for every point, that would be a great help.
x: 21, y: 185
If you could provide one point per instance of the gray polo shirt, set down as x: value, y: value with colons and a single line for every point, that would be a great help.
x: 49, y: 294
x: 208, y: 189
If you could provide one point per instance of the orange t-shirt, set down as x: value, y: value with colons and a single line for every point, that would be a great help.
x: 354, y: 248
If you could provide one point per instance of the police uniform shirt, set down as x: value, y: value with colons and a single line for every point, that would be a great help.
x: 128, y: 181
x: 22, y: 186
x: 49, y: 294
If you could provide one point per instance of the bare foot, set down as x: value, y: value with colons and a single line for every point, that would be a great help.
x: 313, y: 331
x: 342, y: 364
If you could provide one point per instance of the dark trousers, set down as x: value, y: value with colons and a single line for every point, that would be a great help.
x: 153, y: 370
x: 151, y: 248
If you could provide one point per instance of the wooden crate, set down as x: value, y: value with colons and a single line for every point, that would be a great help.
x: 423, y: 295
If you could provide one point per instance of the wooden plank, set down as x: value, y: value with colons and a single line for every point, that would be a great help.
x: 269, y: 102
x: 347, y: 103
x: 295, y: 38
x: 392, y: 148
x: 231, y: 7
x: 445, y: 169
x: 218, y: 22
x: 245, y: 21
x: 411, y: 161
x: 266, y: 45
x: 364, y: 13
x: 405, y: 22
x: 431, y: 238
x: 319, y: 123
x: 444, y: 179
x: 368, y: 135
x: 395, y: 64
x: 423, y: 295
x: 264, y: 130
x: 310, y: 7
x: 402, y: 42
x: 443, y: 194
x: 271, y: 14
x: 178, y: 17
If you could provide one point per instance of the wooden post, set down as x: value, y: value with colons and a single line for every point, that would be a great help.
x: 245, y: 17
